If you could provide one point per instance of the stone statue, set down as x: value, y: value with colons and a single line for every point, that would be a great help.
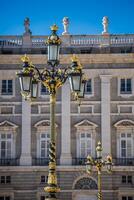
x: 27, y: 25
x: 65, y: 24
x: 105, y: 25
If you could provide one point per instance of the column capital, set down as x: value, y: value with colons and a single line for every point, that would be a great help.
x: 105, y: 76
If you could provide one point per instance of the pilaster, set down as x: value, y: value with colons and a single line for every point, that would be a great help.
x: 105, y: 114
x: 66, y: 158
x: 26, y: 158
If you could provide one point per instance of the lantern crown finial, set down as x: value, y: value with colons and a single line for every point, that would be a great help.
x: 99, y: 147
x: 54, y: 27
x: 74, y: 58
x: 25, y: 58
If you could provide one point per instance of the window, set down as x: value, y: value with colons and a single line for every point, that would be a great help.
x: 5, y: 145
x: 126, y: 179
x: 126, y: 86
x: 85, y: 144
x: 42, y: 198
x: 126, y: 145
x: 88, y: 87
x: 7, y: 87
x: 127, y: 198
x: 5, y: 198
x: 5, y: 179
x: 44, y: 145
x: 44, y: 90
x: 44, y: 179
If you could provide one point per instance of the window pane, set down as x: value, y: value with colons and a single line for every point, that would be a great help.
x: 88, y: 87
x: 124, y: 198
x: 82, y: 135
x: 129, y: 88
x: 44, y: 90
x: 122, y: 135
x: 3, y: 145
x: 43, y: 153
x: 43, y: 135
x: 42, y: 198
x: 123, y: 144
x: 2, y: 179
x: 42, y: 179
x: 9, y: 136
x: 129, y: 179
x: 43, y: 144
x: 8, y: 179
x: 130, y: 198
x: 88, y: 135
x: 129, y: 149
x: 123, y: 179
x: 7, y: 198
x: 3, y: 136
x: 122, y: 86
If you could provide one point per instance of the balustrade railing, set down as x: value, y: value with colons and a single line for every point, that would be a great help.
x: 11, y: 41
x: 79, y: 161
x: 40, y: 161
x: 123, y: 161
x: 39, y: 41
x: 9, y: 161
x: 72, y: 40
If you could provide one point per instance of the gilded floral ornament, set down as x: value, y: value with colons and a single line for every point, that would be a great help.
x: 25, y: 58
x: 54, y: 27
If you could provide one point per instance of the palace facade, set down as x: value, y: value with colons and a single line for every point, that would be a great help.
x: 106, y: 114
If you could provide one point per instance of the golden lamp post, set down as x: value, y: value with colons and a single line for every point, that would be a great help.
x: 52, y: 77
x: 99, y: 163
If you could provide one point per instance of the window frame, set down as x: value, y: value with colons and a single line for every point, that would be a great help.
x: 40, y: 94
x: 125, y: 93
x: 13, y: 88
x: 92, y: 88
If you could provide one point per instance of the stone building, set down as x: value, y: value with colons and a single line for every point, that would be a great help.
x: 106, y: 113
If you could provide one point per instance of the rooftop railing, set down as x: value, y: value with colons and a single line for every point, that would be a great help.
x: 71, y: 40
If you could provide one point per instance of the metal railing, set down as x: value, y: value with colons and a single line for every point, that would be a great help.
x: 40, y: 161
x: 79, y: 161
x: 9, y: 161
x: 123, y: 161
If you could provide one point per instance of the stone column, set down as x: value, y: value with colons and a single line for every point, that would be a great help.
x: 26, y: 158
x: 66, y: 158
x: 105, y: 114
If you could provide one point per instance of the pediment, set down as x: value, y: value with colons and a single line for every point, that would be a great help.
x: 7, y: 124
x: 124, y: 123
x: 43, y: 123
x: 86, y: 123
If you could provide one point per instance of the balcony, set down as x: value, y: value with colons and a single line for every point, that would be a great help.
x: 123, y: 161
x: 79, y: 161
x: 40, y: 161
x: 9, y: 161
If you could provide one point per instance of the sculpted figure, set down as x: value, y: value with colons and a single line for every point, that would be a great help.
x: 65, y: 25
x: 27, y: 25
x: 105, y: 25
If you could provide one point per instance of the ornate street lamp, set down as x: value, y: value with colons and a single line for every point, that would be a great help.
x: 99, y: 163
x: 52, y: 78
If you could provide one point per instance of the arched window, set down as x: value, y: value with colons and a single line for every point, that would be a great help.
x: 85, y: 136
x: 85, y: 183
x: 125, y: 138
x: 7, y: 140
x: 43, y: 138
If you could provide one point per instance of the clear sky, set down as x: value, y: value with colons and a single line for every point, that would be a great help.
x: 85, y: 16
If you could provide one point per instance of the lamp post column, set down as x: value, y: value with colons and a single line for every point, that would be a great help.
x: 52, y: 188
x: 99, y: 185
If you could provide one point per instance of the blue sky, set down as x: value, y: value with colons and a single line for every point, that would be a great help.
x: 85, y: 16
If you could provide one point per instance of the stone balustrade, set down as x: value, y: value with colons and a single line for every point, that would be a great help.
x: 70, y: 40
